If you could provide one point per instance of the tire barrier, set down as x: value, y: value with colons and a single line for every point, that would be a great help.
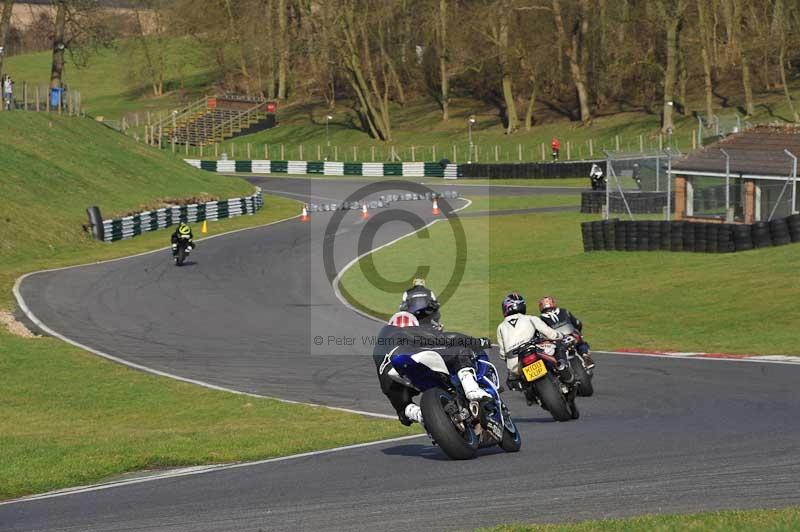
x: 527, y: 170
x: 639, y: 202
x: 142, y: 222
x: 381, y: 202
x: 793, y: 222
x: 330, y: 168
x: 697, y: 237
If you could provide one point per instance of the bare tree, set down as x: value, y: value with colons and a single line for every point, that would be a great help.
x: 740, y: 22
x: 705, y: 53
x: 575, y: 51
x: 671, y: 13
x: 5, y: 24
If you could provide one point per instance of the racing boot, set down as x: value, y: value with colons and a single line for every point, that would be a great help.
x: 470, y: 385
x: 413, y: 413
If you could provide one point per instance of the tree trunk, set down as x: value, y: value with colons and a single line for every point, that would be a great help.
x: 531, y: 105
x: 704, y: 52
x: 785, y: 84
x: 746, y: 82
x: 667, y: 124
x: 505, y: 67
x: 283, y: 59
x: 59, y: 46
x: 5, y: 24
x: 270, y: 38
x: 443, y: 73
x: 572, y: 47
x: 235, y: 36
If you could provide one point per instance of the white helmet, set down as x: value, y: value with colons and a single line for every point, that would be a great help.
x: 404, y: 319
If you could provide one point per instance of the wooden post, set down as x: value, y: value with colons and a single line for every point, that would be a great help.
x: 413, y: 155
x: 496, y: 154
x: 47, y: 99
x: 694, y: 139
x: 147, y: 135
x: 319, y: 153
x: 248, y: 152
x: 216, y: 151
x: 591, y: 148
x: 37, y: 98
x: 660, y: 142
x: 355, y: 153
x: 617, y: 140
x: 283, y: 156
x: 641, y: 143
x: 201, y: 151
x: 455, y: 153
x: 186, y: 143
x: 373, y: 153
x: 336, y: 153
x: 266, y: 152
x: 543, y: 151
x: 569, y: 155
x: 160, y: 135
x: 25, y: 95
x: 300, y: 151
x: 433, y: 152
x: 519, y: 152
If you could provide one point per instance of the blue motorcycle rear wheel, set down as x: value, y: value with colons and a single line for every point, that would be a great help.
x: 455, y: 438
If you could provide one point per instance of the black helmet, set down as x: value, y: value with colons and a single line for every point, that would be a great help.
x: 421, y: 306
x: 514, y: 303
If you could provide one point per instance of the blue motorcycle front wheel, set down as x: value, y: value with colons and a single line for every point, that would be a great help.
x: 455, y: 437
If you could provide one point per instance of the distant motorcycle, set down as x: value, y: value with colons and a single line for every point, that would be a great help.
x: 459, y: 426
x: 182, y: 250
x: 597, y: 178
x: 541, y: 384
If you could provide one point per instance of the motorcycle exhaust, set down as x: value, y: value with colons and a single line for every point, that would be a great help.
x: 474, y: 408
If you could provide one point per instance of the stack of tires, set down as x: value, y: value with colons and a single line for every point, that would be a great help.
x: 586, y: 233
x: 676, y: 236
x: 743, y: 237
x: 779, y: 231
x: 793, y: 222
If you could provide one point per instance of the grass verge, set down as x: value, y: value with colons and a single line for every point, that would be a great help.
x: 69, y: 418
x: 504, y: 203
x: 648, y: 300
x: 781, y: 520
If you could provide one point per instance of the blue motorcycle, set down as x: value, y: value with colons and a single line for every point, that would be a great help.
x: 459, y: 426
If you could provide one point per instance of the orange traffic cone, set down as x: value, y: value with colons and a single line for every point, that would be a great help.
x: 304, y: 217
x: 204, y: 227
x: 436, y: 207
x: 364, y: 213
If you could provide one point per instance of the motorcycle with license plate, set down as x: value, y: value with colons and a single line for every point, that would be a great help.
x: 540, y: 381
x: 458, y: 426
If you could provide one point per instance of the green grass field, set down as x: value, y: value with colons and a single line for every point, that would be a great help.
x: 783, y: 520
x: 504, y: 203
x: 649, y: 300
x: 68, y: 417
x: 108, y: 85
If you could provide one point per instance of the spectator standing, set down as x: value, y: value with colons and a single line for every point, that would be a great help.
x: 8, y: 92
x: 555, y: 144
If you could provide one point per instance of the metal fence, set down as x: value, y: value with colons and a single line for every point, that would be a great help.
x: 638, y: 183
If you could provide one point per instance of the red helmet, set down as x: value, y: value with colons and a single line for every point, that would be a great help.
x: 404, y: 319
x: 547, y: 303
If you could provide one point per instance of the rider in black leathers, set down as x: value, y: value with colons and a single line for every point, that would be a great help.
x: 555, y: 317
x: 404, y: 334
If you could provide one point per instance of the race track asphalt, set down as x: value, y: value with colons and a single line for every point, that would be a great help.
x: 660, y: 435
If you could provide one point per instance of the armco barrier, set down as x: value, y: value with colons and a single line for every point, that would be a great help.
x: 639, y: 202
x: 698, y: 237
x: 136, y: 224
x: 527, y: 170
x: 330, y: 168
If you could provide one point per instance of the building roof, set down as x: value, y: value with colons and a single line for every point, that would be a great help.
x: 756, y: 152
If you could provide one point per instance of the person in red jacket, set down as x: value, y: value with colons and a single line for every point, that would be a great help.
x: 555, y: 144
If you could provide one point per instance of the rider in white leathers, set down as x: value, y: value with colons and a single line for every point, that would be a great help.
x: 518, y: 328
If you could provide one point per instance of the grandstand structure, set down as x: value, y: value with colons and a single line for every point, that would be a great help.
x: 213, y: 119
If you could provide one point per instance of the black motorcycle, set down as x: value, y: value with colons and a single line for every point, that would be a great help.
x: 541, y: 383
x: 181, y: 251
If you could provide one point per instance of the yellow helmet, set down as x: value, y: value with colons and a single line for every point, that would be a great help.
x: 184, y: 229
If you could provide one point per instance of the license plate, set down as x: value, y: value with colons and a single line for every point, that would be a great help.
x: 534, y: 371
